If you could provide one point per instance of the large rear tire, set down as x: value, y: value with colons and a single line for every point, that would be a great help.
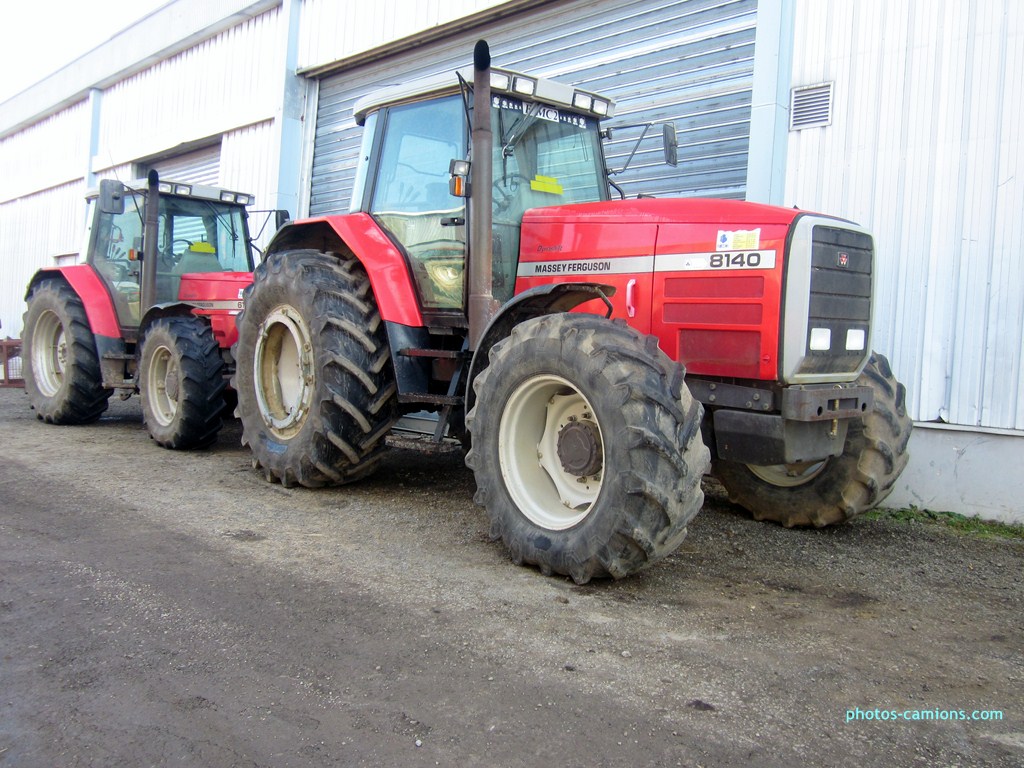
x: 316, y: 391
x: 181, y: 383
x: 586, y: 447
x: 62, y: 377
x: 840, y: 488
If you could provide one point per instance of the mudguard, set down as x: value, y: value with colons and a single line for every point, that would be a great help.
x: 360, y: 235
x: 543, y: 300
x: 84, y: 281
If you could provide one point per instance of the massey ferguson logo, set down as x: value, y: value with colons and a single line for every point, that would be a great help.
x: 843, y: 260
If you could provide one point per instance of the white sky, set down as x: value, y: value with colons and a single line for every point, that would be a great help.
x: 38, y: 37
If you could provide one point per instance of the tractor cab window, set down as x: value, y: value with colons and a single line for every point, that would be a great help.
x: 115, y: 254
x: 411, y: 198
x: 196, y: 235
x: 542, y: 156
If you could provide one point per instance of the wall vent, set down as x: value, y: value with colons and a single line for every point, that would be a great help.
x: 810, y: 106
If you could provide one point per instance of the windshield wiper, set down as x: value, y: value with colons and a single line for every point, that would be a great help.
x: 519, y: 129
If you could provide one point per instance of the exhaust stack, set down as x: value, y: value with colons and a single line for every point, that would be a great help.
x: 481, y: 306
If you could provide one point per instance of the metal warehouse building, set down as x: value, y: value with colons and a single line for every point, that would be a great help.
x: 903, y: 116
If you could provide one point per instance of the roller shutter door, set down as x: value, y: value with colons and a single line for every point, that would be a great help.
x: 199, y: 167
x: 690, y: 62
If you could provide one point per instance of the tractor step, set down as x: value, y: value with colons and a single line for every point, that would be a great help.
x: 423, y: 444
x: 431, y: 399
x: 446, y: 354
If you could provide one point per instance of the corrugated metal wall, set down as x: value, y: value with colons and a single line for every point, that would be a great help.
x: 691, y: 62
x: 51, y: 152
x: 329, y: 30
x: 41, y: 206
x: 228, y: 86
x: 49, y: 222
x: 249, y: 163
x: 925, y: 149
x: 230, y: 80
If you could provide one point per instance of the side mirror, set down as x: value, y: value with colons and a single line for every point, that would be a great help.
x: 281, y: 217
x: 111, y: 196
x: 668, y: 138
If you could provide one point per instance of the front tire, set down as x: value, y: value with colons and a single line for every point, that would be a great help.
x: 181, y: 383
x: 586, y: 447
x: 839, y: 488
x: 62, y: 378
x: 316, y: 391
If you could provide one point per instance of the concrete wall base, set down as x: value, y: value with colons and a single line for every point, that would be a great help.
x: 969, y: 471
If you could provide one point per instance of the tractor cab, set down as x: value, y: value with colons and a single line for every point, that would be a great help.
x: 413, y: 176
x: 199, y: 231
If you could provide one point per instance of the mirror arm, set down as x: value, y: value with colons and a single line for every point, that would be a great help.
x: 646, y: 127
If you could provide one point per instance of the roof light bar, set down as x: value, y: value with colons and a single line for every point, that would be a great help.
x: 552, y: 92
x: 500, y: 81
x: 524, y: 85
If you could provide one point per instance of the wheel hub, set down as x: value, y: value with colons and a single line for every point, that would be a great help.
x: 172, y: 385
x: 579, y: 448
x: 163, y: 385
x: 283, y: 371
x: 550, y: 452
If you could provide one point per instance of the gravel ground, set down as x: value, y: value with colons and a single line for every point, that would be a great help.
x: 161, y: 608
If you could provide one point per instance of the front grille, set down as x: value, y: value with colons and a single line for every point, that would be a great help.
x: 840, y: 300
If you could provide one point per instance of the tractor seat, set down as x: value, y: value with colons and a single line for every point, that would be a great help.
x: 198, y: 257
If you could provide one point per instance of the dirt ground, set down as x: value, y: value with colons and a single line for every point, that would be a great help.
x: 161, y: 608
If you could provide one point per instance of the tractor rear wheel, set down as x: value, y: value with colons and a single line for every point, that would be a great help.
x: 586, y: 447
x: 181, y: 383
x: 62, y: 378
x: 316, y: 391
x: 839, y: 488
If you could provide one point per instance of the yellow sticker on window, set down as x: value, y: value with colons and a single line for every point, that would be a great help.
x: 546, y: 184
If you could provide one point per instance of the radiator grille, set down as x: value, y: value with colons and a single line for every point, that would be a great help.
x: 839, y: 313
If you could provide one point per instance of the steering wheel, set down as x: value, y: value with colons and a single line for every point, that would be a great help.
x: 171, y: 257
x: 503, y: 196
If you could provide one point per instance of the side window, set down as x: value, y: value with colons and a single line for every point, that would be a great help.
x: 115, y: 256
x: 420, y: 141
x: 411, y: 198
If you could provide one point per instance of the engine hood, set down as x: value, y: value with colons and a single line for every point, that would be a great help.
x: 681, y: 210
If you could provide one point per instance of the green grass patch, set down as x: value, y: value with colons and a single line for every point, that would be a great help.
x: 971, y: 526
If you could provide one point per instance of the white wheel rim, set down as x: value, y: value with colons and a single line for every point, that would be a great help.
x: 534, y: 416
x: 163, y: 385
x: 788, y: 475
x: 49, y: 353
x: 283, y: 371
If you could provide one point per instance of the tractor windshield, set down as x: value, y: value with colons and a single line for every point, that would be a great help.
x: 190, y: 225
x: 542, y: 156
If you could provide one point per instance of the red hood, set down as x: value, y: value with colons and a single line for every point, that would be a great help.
x: 678, y: 210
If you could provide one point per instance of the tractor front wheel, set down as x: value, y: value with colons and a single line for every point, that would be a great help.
x: 62, y: 377
x: 837, y: 489
x: 586, y: 447
x: 181, y: 383
x: 316, y: 392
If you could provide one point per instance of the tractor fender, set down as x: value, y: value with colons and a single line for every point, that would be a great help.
x: 542, y: 300
x: 83, y: 280
x: 359, y: 234
x: 167, y: 309
x: 222, y: 323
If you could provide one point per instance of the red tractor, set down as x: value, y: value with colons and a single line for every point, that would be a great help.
x: 486, y: 275
x: 151, y: 311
